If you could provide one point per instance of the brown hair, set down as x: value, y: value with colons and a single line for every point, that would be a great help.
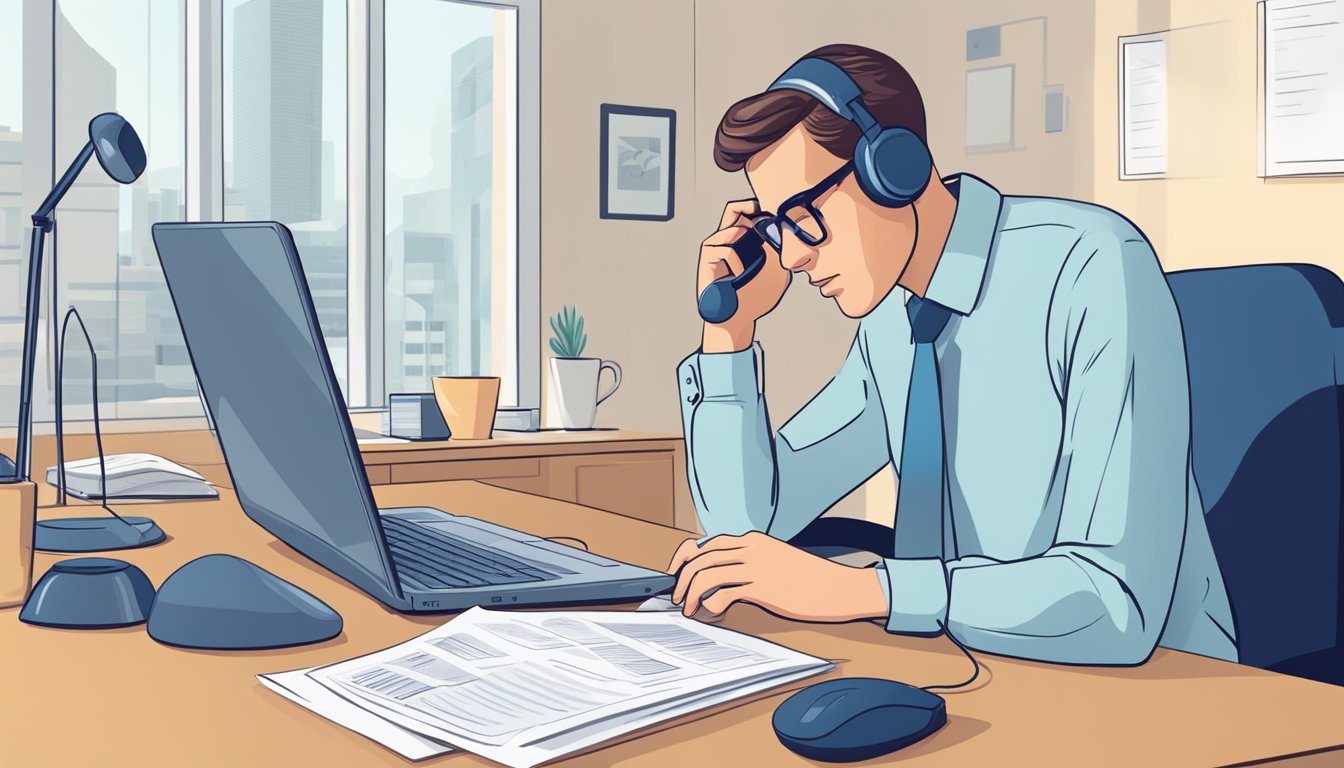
x: 756, y: 122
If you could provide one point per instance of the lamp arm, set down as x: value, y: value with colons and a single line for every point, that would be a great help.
x: 42, y: 224
x: 22, y: 464
x: 67, y: 179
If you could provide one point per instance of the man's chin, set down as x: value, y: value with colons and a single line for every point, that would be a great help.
x: 851, y: 308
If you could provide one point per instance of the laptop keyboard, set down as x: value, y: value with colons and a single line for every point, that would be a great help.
x: 431, y: 559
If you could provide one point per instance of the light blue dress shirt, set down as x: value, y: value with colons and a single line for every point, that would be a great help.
x: 1074, y: 531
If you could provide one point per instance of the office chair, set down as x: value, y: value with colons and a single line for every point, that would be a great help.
x: 1265, y: 346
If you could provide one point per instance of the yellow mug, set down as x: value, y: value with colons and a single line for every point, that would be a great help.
x: 468, y: 405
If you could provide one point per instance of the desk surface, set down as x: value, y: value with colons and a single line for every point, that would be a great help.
x: 199, y: 446
x: 502, y: 443
x: 90, y: 698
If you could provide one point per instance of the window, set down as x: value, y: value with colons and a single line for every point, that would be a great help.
x: 450, y: 193
x: 125, y: 57
x: 284, y: 74
x: 397, y: 139
x: 13, y: 222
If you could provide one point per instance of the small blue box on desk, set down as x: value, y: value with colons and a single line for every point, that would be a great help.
x: 415, y: 416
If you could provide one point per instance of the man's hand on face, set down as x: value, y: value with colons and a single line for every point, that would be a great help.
x: 756, y: 568
x: 757, y: 298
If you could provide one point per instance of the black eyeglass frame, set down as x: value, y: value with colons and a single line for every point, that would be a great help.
x: 805, y: 200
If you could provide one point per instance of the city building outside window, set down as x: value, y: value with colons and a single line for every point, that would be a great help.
x: 398, y: 141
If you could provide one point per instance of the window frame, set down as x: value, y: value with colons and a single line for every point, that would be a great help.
x: 203, y: 192
x: 365, y: 62
x: 39, y: 67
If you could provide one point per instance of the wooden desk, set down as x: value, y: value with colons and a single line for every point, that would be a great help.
x: 117, y: 698
x: 635, y: 474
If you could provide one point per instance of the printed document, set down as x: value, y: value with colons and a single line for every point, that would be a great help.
x: 525, y: 688
x: 1302, y: 87
x: 1143, y: 106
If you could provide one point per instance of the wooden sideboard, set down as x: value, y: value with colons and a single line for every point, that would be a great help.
x: 635, y: 474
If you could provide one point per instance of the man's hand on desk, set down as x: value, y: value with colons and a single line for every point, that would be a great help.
x: 756, y: 568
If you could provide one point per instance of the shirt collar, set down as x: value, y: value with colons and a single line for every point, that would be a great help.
x: 961, y: 267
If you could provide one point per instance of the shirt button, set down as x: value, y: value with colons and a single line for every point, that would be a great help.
x: 688, y: 379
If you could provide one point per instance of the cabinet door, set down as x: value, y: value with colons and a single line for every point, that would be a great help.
x: 638, y: 485
x: 472, y: 469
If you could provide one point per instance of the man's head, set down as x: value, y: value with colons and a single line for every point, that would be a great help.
x: 788, y: 142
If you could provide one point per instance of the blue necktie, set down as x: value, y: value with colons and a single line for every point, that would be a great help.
x: 919, y: 497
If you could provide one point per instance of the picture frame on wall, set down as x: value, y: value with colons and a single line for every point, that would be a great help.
x: 639, y: 153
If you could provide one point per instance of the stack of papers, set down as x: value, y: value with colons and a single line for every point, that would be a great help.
x: 525, y: 688
x: 132, y: 476
x: 365, y: 437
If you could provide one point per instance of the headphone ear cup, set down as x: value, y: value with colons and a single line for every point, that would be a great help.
x: 893, y: 169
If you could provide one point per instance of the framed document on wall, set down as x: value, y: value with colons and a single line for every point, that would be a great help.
x: 1143, y: 106
x: 1301, y: 90
x: 639, y: 152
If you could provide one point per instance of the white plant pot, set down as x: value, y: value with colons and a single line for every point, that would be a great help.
x: 572, y: 400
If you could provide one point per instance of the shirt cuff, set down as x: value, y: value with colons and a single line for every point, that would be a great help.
x: 916, y: 592
x: 729, y: 374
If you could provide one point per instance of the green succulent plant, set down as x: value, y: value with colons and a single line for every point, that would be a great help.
x: 569, y: 339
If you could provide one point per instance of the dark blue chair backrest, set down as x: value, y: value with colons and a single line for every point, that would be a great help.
x: 1265, y: 346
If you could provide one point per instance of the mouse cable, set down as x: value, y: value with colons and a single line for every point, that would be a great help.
x: 581, y: 542
x: 964, y: 650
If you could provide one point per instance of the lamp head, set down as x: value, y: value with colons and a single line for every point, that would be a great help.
x: 117, y: 147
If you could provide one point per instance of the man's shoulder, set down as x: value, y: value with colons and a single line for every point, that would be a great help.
x: 1081, y: 237
x: 1028, y: 214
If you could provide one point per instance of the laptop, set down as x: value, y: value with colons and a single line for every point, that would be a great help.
x: 253, y: 337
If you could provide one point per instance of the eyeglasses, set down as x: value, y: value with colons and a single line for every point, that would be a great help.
x: 799, y: 213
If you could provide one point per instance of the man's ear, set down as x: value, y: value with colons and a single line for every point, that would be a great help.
x: 746, y: 174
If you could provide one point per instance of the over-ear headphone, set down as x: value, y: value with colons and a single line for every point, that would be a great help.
x: 891, y: 163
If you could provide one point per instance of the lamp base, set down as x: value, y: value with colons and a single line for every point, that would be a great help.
x: 8, y: 472
x: 95, y: 534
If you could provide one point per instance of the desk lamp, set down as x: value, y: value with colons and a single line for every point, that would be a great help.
x: 119, y: 151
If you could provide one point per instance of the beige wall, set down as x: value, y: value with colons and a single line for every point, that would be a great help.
x: 634, y: 280
x: 1213, y: 211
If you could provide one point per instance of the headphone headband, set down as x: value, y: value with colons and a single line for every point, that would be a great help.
x: 891, y: 163
x: 833, y: 87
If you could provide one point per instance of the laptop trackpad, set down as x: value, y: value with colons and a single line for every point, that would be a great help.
x: 562, y: 550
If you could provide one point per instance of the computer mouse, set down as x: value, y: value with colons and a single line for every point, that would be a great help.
x: 856, y: 718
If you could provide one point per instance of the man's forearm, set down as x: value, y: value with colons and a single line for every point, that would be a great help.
x: 728, y: 442
x: 727, y: 337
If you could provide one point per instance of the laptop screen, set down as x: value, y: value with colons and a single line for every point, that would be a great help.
x: 252, y: 333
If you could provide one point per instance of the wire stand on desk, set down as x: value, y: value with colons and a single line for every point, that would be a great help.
x: 87, y: 534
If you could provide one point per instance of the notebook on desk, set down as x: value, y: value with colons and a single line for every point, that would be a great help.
x: 254, y: 340
x: 132, y: 476
x: 365, y: 437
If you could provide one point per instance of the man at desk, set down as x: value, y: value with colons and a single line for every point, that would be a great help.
x: 1019, y: 361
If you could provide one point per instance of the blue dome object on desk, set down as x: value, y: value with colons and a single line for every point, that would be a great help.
x: 96, y: 534
x: 221, y: 602
x: 89, y: 593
